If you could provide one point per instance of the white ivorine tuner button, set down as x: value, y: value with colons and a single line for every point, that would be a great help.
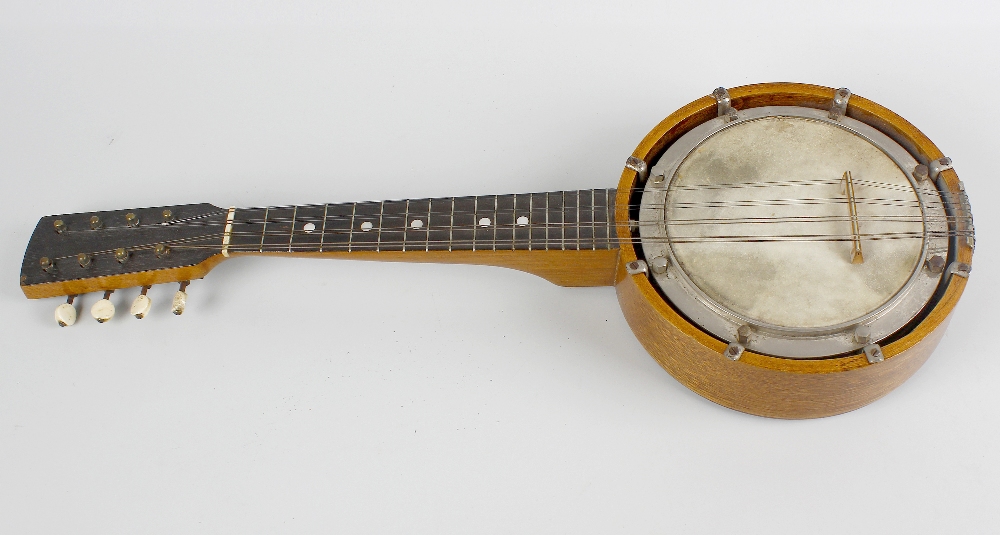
x: 65, y: 315
x: 103, y: 310
x: 180, y: 301
x: 140, y: 307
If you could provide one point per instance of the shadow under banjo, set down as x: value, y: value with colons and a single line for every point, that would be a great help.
x: 785, y: 250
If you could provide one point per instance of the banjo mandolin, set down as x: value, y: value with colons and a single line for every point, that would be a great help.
x: 785, y: 250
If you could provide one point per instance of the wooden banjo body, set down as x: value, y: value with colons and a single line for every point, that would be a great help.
x: 760, y: 384
x: 583, y: 238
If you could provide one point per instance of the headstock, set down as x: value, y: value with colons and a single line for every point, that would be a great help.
x: 103, y: 251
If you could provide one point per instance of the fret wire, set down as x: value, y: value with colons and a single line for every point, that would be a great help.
x: 291, y: 232
x: 263, y: 231
x: 593, y: 217
x: 607, y: 215
x: 475, y: 220
x: 451, y: 226
x: 546, y: 221
x: 513, y: 230
x: 350, y: 235
x: 531, y: 213
x: 322, y: 232
x: 604, y: 208
x: 406, y: 222
x: 577, y: 220
x: 378, y: 237
x: 427, y: 245
x: 563, y: 218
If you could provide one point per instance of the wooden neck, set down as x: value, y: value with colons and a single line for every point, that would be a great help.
x: 553, y: 221
x: 566, y: 237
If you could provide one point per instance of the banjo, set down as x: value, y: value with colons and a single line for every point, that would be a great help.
x: 785, y: 250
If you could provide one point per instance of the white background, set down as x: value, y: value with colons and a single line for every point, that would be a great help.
x: 307, y: 396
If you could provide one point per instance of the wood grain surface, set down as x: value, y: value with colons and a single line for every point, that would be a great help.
x: 760, y: 384
x: 756, y: 384
x: 565, y: 268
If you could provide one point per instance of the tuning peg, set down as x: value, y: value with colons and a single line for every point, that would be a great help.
x: 140, y: 307
x: 66, y: 312
x: 180, y: 299
x: 103, y: 310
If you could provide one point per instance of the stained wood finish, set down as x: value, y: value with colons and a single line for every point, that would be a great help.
x: 759, y: 384
x: 566, y: 237
x: 125, y: 280
x: 582, y: 249
x: 565, y: 268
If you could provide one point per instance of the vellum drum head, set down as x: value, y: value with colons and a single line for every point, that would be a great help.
x: 759, y: 219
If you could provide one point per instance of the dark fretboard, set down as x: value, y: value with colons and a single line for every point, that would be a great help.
x: 562, y: 220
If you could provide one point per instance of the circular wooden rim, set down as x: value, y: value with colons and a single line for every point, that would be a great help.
x: 787, y: 94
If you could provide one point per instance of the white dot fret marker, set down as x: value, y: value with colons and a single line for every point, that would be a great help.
x: 366, y: 226
x: 485, y: 222
x: 309, y: 227
x: 417, y: 223
x: 522, y: 221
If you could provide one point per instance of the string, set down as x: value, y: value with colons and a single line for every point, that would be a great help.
x: 580, y: 241
x: 417, y: 213
x: 238, y: 226
x: 798, y: 183
x: 690, y: 205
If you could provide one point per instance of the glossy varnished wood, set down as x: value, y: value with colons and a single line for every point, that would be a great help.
x: 757, y: 384
x: 760, y: 384
x: 565, y: 268
x: 117, y: 282
x: 566, y: 238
